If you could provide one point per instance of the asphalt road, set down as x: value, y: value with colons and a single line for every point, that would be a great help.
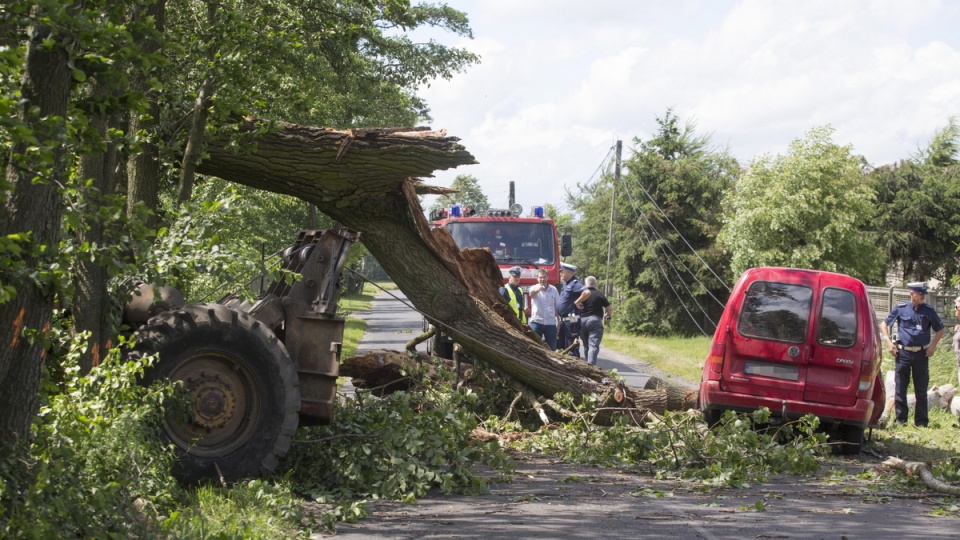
x: 547, y: 499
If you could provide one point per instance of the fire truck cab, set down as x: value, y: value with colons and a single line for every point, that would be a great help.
x: 528, y: 242
x: 532, y: 243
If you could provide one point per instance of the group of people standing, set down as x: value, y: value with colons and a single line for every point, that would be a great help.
x: 565, y: 319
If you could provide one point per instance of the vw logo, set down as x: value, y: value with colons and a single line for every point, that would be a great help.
x: 793, y: 351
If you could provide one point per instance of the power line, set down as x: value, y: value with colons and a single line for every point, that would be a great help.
x: 603, y: 162
x: 683, y: 238
x: 638, y: 212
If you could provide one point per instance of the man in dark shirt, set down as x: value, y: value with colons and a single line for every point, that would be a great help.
x: 595, y: 310
x: 912, y: 350
x: 569, y: 314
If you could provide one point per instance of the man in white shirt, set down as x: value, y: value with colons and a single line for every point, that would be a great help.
x: 543, y: 314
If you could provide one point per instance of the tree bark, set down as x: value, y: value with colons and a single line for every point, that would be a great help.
x: 32, y: 206
x: 365, y: 180
x: 191, y: 155
x: 92, y: 306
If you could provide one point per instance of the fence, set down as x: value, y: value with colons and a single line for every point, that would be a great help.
x: 884, y: 298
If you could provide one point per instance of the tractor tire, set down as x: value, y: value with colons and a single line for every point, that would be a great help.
x: 244, y: 387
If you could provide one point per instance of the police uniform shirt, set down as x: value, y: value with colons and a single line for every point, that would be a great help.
x: 913, y: 326
x: 516, y: 291
x: 568, y: 296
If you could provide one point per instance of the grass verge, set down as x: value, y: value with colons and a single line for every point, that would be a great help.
x: 677, y: 356
x: 356, y: 303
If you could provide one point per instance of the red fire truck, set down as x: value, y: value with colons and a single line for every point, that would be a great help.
x: 530, y: 242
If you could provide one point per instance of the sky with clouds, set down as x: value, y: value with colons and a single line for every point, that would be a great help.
x: 561, y: 81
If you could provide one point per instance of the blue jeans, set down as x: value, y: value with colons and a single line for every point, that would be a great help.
x: 546, y: 331
x: 919, y: 365
x: 591, y: 332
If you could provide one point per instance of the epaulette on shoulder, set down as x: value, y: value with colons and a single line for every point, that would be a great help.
x: 902, y: 304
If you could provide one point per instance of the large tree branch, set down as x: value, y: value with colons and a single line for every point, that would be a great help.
x: 366, y: 179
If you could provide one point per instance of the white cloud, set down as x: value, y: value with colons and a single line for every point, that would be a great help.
x: 561, y: 81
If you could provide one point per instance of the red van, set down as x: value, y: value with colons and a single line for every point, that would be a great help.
x: 797, y: 342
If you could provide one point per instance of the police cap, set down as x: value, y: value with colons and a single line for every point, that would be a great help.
x: 918, y: 287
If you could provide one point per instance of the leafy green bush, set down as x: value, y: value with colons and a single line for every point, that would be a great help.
x: 95, y: 467
x: 255, y: 509
x: 396, y: 447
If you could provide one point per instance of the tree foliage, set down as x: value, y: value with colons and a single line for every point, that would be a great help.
x: 918, y: 210
x: 811, y: 208
x: 469, y: 194
x: 668, y: 206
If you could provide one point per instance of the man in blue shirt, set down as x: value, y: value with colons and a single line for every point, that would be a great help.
x: 912, y: 350
x: 569, y: 314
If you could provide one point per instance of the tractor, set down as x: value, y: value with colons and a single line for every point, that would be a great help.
x: 254, y: 370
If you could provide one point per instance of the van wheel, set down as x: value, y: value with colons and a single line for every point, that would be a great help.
x: 241, y: 381
x: 712, y: 417
x: 440, y: 346
x: 851, y: 439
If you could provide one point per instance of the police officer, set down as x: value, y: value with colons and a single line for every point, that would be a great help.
x: 569, y: 314
x: 513, y: 294
x: 912, y: 349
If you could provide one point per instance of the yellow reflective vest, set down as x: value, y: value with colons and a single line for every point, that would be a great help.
x: 516, y: 303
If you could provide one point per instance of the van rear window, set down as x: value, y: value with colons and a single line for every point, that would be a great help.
x: 776, y: 311
x: 838, y: 318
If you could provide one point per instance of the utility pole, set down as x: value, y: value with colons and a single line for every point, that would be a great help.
x: 613, y: 209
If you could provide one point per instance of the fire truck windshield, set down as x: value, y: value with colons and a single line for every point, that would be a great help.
x: 510, y: 242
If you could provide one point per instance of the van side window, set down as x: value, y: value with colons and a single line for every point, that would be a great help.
x: 776, y: 311
x: 838, y: 319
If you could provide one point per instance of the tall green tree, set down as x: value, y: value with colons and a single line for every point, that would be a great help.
x: 918, y: 210
x: 75, y: 115
x: 811, y: 208
x: 468, y: 194
x: 36, y: 167
x: 667, y: 272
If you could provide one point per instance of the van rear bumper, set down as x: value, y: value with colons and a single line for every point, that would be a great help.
x: 713, y: 398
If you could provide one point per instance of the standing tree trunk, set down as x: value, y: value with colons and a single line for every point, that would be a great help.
x: 191, y: 155
x: 92, y: 306
x: 198, y: 126
x: 363, y: 179
x: 33, y: 206
x: 143, y: 169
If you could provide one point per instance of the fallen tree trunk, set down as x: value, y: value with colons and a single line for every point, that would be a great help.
x: 916, y: 468
x: 367, y: 180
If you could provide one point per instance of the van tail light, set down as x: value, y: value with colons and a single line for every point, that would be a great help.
x: 715, y: 360
x: 866, y: 378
